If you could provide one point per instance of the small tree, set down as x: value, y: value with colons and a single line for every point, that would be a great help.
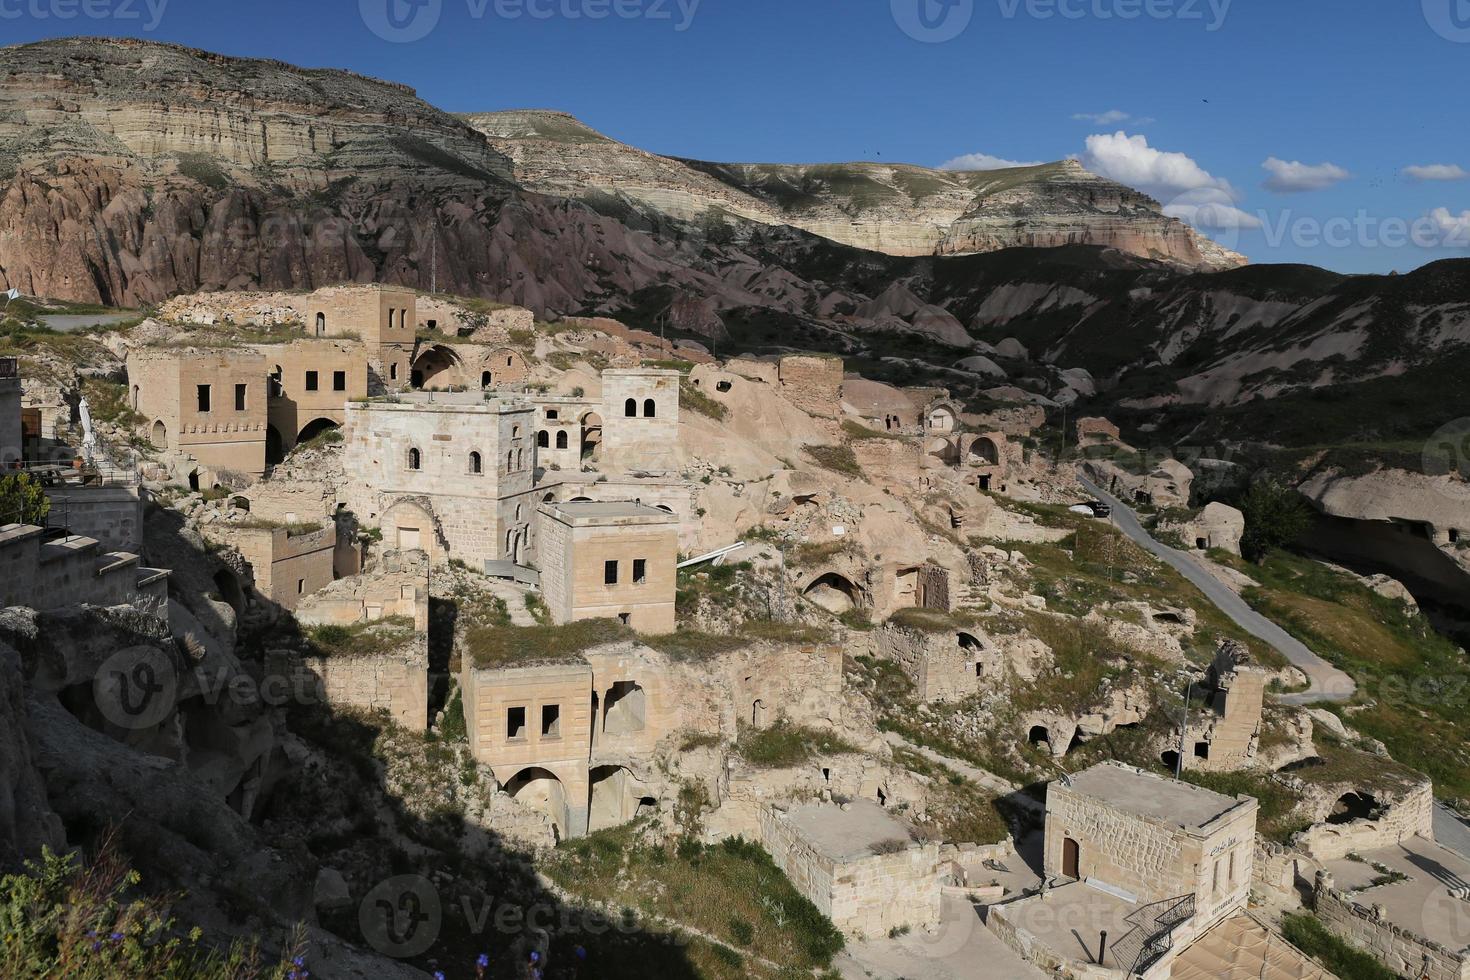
x: 1275, y: 516
x: 22, y: 501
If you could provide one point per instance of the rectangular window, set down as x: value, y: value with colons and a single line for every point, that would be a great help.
x: 339, y: 380
x: 609, y: 573
x: 311, y: 383
x: 640, y: 571
x: 552, y: 413
x: 301, y: 586
x: 240, y: 398
x: 551, y: 721
x: 204, y: 398
x: 515, y: 723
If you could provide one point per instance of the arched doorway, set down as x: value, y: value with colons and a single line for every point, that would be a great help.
x: 229, y: 590
x: 437, y: 367
x: 984, y: 450
x: 1071, y: 858
x: 591, y: 434
x: 315, y: 428
x: 616, y: 797
x: 321, y: 324
x: 540, y: 790
x: 275, y: 446
x: 159, y: 436
x: 833, y: 592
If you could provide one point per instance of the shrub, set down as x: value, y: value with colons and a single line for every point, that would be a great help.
x: 1275, y: 516
x: 60, y: 919
x: 838, y: 459
x: 22, y: 501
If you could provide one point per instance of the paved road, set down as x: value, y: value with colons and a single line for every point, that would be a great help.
x: 70, y: 322
x: 1327, y: 682
x: 1451, y: 831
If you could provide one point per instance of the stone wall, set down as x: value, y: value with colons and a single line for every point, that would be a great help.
x: 1091, y: 430
x: 229, y: 435
x: 813, y: 383
x: 312, y: 380
x: 112, y: 515
x: 286, y: 567
x: 398, y: 586
x: 864, y: 896
x: 1155, y: 859
x: 1410, y: 816
x: 397, y: 683
x: 647, y: 439
x: 72, y: 571
x: 943, y: 666
x: 576, y: 549
x: 471, y: 461
x: 1402, y: 951
x: 891, y: 462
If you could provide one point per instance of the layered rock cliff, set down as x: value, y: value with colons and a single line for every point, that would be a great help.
x: 900, y: 210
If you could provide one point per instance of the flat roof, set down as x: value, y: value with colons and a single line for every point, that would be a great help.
x: 1145, y: 794
x: 474, y: 402
x: 608, y: 511
x: 845, y: 833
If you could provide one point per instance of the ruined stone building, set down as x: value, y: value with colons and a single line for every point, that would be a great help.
x: 450, y: 474
x: 42, y: 572
x: 288, y: 563
x: 1226, y: 735
x: 309, y: 386
x: 208, y: 404
x: 466, y: 366
x: 561, y: 732
x: 609, y: 561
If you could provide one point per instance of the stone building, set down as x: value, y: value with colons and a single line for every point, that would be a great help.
x: 567, y: 430
x: 310, y: 383
x: 11, y: 451
x: 813, y: 383
x: 609, y: 561
x: 1226, y: 735
x: 450, y: 474
x: 1152, y: 839
x: 208, y: 404
x: 72, y: 571
x: 640, y: 419
x: 856, y: 864
x: 384, y: 318
x: 560, y: 732
x: 945, y: 665
x: 396, y: 681
x: 288, y: 563
x: 445, y: 366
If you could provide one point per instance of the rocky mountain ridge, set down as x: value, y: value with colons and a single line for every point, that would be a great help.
x: 897, y: 209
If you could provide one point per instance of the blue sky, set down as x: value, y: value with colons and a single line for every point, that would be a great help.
x: 1343, y: 94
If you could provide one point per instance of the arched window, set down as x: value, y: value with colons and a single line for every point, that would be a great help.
x: 561, y: 439
x: 515, y: 432
x: 321, y: 324
x: 510, y: 461
x: 477, y: 465
x: 520, y: 459
x: 415, y: 459
x: 392, y: 372
x: 630, y: 408
x: 508, y: 361
x: 543, y: 439
x: 648, y: 408
x: 484, y: 379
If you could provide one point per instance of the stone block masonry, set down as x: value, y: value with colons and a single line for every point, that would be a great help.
x: 856, y: 864
x: 1401, y: 950
x: 813, y: 383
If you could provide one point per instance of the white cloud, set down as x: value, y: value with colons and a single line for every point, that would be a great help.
x: 984, y: 161
x: 1213, y: 208
x: 1290, y: 177
x: 1437, y: 171
x: 1130, y: 160
x: 1110, y: 118
x: 1454, y: 229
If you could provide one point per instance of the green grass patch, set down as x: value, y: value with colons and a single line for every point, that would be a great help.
x: 360, y: 639
x: 859, y: 432
x: 491, y: 646
x: 783, y: 745
x: 732, y: 890
x: 691, y: 399
x: 838, y: 459
x: 1308, y: 934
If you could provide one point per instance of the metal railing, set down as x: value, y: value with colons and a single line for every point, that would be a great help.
x: 1152, y: 935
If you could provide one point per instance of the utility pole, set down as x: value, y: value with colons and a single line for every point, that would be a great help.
x: 434, y: 261
x: 1183, y: 732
